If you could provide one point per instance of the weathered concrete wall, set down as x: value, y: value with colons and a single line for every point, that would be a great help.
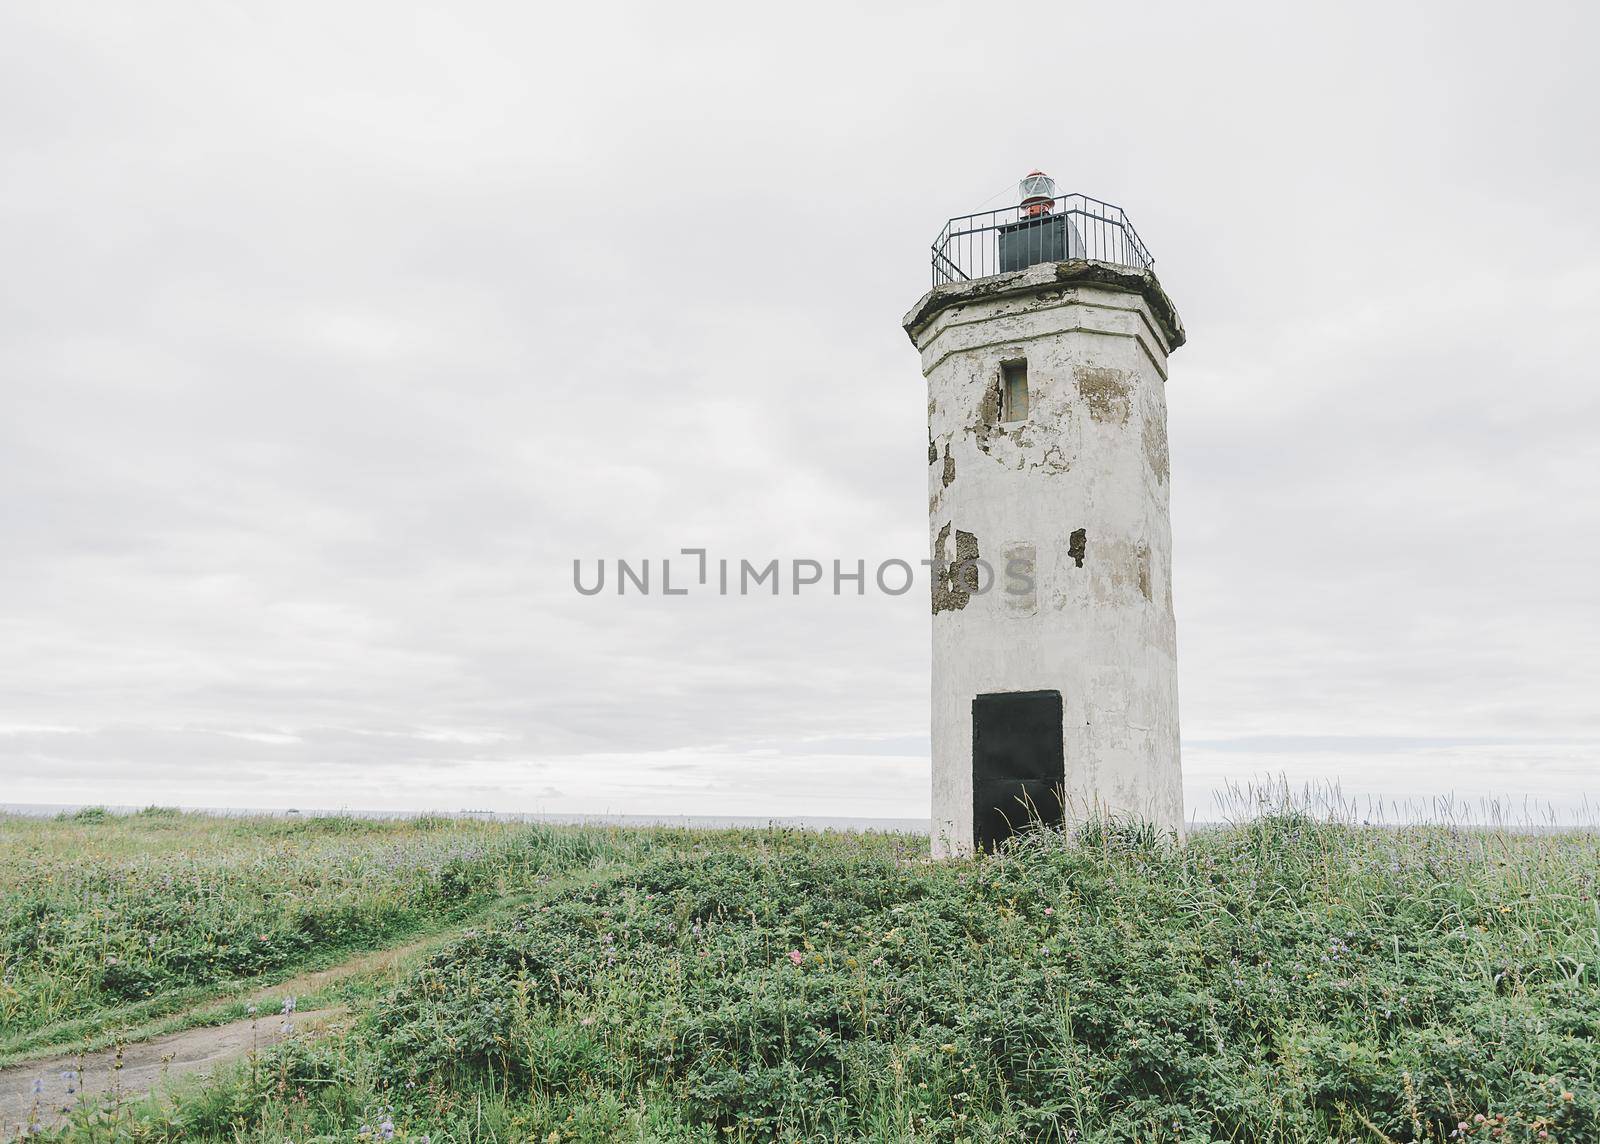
x: 1081, y: 488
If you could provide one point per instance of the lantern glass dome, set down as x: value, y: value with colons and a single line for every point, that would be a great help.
x: 1038, y: 185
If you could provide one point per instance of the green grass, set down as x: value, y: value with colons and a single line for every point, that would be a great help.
x: 1286, y: 979
x: 112, y: 922
x: 350, y: 979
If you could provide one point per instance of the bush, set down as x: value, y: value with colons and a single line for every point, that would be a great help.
x: 1286, y: 980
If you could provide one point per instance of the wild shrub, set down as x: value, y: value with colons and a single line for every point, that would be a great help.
x: 1286, y: 979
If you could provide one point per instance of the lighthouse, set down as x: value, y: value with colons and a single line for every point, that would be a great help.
x: 1044, y: 342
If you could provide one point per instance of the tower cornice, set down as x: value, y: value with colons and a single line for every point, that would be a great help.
x: 1049, y: 276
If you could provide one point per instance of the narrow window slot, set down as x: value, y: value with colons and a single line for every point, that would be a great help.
x: 1014, y: 390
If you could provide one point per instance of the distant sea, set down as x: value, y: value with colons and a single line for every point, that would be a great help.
x: 685, y: 821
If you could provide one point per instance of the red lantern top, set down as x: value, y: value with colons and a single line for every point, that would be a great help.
x: 1038, y: 194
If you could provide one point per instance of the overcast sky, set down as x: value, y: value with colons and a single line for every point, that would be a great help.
x: 331, y: 334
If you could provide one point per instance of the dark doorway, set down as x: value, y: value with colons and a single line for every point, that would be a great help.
x: 1018, y: 767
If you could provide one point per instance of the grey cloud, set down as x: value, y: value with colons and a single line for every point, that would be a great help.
x: 326, y: 350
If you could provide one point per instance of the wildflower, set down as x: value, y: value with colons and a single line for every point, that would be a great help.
x: 288, y: 1005
x: 796, y: 956
x: 1049, y: 911
x: 587, y: 1021
x: 38, y: 1085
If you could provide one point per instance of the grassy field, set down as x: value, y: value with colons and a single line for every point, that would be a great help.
x: 108, y: 921
x: 1287, y: 979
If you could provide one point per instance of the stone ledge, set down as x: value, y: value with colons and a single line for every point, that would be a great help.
x: 1045, y: 276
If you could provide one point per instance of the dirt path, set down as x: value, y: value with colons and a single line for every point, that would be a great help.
x: 267, y: 997
x: 147, y: 1066
x: 312, y: 980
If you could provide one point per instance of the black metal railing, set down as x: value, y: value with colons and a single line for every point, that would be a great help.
x: 1069, y: 227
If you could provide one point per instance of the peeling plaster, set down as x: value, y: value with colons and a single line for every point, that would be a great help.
x: 1105, y: 391
x: 1155, y: 447
x: 954, y: 580
x: 1043, y: 441
x: 987, y: 424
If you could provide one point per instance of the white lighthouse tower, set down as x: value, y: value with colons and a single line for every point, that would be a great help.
x: 1044, y: 342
